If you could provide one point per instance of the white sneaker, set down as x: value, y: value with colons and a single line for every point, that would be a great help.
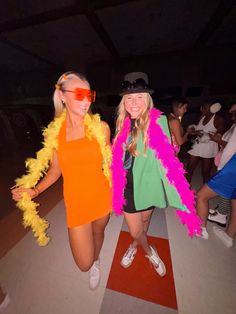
x: 204, y: 234
x: 128, y: 257
x: 94, y: 275
x: 212, y: 211
x: 4, y: 303
x: 223, y: 236
x: 218, y: 218
x: 156, y: 261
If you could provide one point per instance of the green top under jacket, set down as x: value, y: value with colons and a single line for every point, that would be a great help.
x: 151, y: 187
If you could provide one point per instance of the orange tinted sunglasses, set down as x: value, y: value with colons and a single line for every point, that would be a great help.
x: 81, y: 93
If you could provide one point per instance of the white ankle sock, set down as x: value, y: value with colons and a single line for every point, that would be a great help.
x: 204, y: 234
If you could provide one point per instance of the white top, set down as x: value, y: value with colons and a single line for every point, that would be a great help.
x: 203, y: 146
x: 226, y: 136
x: 229, y: 150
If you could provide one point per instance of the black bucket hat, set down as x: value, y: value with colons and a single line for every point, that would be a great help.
x: 135, y: 82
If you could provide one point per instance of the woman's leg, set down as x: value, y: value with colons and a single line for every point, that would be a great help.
x: 227, y: 236
x: 221, y: 211
x: 192, y: 164
x: 224, y: 207
x: 86, y: 242
x: 146, y: 218
x: 136, y: 222
x: 98, y: 227
x: 231, y: 229
x: 82, y: 246
x: 207, y: 164
x: 203, y: 197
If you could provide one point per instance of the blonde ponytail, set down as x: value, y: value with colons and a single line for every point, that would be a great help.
x: 62, y: 81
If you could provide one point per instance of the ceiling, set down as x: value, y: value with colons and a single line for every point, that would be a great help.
x: 38, y: 35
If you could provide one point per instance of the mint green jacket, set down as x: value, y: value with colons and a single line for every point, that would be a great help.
x: 151, y: 187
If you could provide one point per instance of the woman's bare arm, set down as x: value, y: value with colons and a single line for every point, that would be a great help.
x: 53, y: 174
x: 107, y: 132
x: 177, y: 130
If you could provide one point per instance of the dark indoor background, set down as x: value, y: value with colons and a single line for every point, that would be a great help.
x: 188, y: 48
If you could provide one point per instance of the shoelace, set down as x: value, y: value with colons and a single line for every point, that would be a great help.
x: 213, y: 214
x: 129, y: 253
x: 155, y: 259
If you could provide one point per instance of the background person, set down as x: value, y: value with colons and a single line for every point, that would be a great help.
x: 204, y: 149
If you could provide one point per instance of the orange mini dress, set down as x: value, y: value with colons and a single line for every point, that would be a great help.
x: 86, y: 190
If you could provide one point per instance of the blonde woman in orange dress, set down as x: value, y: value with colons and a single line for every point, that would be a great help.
x: 79, y: 160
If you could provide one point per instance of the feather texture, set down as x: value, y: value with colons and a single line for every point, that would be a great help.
x: 174, y: 171
x: 37, y: 167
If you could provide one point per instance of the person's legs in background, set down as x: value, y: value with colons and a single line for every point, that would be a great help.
x: 228, y: 235
x: 207, y: 164
x: 191, y: 165
x: 203, y: 197
x: 220, y: 213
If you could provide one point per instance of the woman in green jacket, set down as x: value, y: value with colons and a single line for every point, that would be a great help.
x: 145, y: 171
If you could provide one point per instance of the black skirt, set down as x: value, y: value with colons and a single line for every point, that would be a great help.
x: 129, y: 193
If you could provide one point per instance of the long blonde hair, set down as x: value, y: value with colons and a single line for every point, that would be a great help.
x: 141, y: 124
x: 60, y: 85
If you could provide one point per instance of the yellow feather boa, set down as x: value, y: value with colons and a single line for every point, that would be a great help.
x: 36, y: 168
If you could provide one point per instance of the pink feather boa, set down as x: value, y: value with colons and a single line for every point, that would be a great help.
x: 172, y: 165
x: 117, y: 170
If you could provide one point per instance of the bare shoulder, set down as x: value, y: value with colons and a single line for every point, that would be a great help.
x: 107, y: 132
x: 171, y: 118
x: 174, y: 122
x: 105, y: 127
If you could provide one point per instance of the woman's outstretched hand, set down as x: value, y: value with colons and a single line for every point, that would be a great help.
x: 17, y: 192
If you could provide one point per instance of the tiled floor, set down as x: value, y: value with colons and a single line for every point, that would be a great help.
x: 46, y: 280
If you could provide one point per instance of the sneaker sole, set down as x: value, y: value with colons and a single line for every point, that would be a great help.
x: 227, y: 244
x: 164, y: 268
x: 127, y: 266
x: 94, y: 288
x: 216, y: 222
